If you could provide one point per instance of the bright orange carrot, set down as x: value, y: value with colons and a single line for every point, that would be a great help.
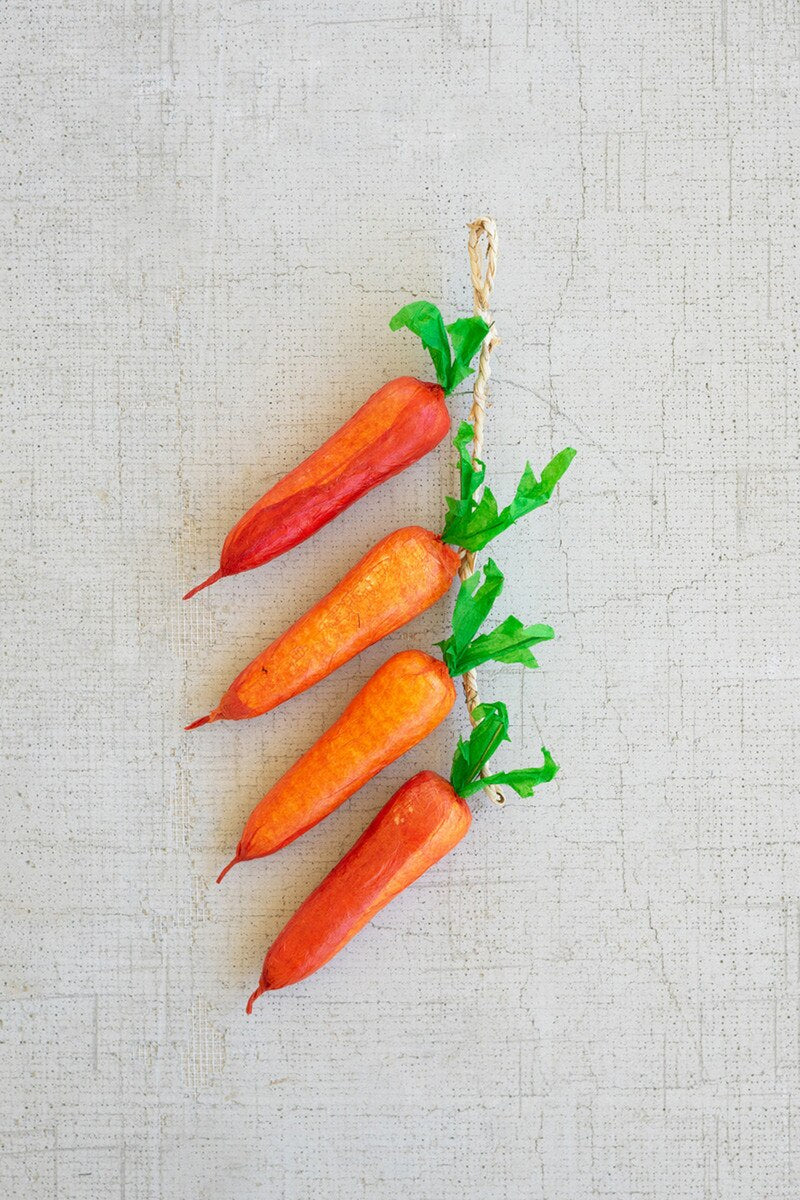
x: 395, y: 581
x: 400, y: 705
x: 421, y: 823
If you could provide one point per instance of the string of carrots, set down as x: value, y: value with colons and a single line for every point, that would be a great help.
x: 410, y: 694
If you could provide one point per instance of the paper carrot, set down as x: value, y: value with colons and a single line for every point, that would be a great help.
x: 421, y: 823
x: 400, y: 705
x: 395, y: 581
x: 399, y: 424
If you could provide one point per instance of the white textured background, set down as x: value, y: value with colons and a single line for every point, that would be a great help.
x: 209, y: 212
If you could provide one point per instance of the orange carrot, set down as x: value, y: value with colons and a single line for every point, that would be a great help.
x: 400, y: 705
x: 421, y: 823
x: 395, y: 581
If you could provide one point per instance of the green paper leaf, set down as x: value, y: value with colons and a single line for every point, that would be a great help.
x: 472, y: 523
x: 531, y: 492
x: 471, y: 474
x: 467, y: 336
x: 473, y: 605
x: 425, y: 320
x: 472, y: 755
x: 510, y: 642
x: 522, y: 781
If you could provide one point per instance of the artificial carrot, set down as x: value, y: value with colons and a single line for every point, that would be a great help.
x: 399, y: 424
x: 400, y: 705
x: 421, y: 823
x: 395, y: 581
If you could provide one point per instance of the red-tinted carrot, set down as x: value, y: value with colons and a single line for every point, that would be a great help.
x: 399, y: 424
x: 400, y: 705
x: 425, y: 819
x: 395, y: 581
x: 421, y: 823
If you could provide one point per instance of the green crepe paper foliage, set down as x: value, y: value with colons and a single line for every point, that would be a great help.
x: 451, y: 354
x: 510, y: 642
x: 472, y: 523
x: 471, y: 756
x: 522, y: 781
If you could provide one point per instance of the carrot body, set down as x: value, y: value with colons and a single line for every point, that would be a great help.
x: 421, y: 823
x: 399, y: 424
x: 400, y: 705
x: 397, y: 579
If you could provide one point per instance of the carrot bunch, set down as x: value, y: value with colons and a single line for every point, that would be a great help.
x: 410, y: 694
x: 401, y: 704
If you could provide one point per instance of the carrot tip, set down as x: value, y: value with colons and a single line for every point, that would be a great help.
x: 206, y: 583
x: 225, y: 870
x: 258, y: 992
x: 200, y: 721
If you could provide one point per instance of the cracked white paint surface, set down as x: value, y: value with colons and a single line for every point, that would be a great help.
x: 209, y: 213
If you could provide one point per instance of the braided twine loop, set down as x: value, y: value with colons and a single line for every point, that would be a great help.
x: 482, y: 284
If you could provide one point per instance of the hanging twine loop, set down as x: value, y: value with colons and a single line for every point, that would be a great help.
x: 482, y: 269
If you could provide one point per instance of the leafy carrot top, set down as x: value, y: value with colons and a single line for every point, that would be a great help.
x: 471, y: 522
x: 510, y: 642
x: 452, y: 347
x: 471, y: 756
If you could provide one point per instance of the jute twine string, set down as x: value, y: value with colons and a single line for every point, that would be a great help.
x: 482, y: 284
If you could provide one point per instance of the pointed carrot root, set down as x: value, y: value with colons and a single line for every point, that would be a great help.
x: 225, y: 870
x: 206, y: 583
x: 258, y: 992
x: 201, y: 721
